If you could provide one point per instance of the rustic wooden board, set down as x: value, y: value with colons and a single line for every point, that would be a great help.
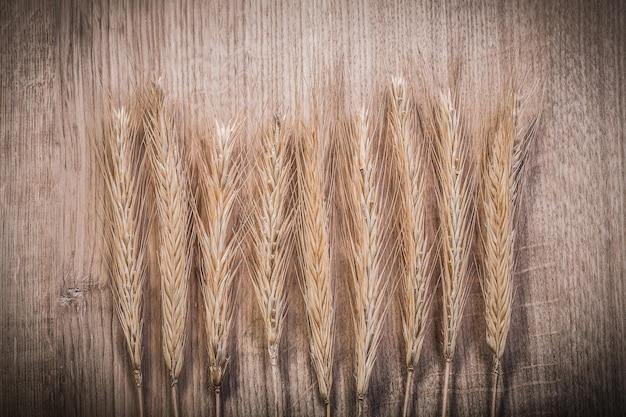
x: 64, y: 62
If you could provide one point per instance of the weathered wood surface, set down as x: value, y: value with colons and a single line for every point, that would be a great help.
x: 63, y: 61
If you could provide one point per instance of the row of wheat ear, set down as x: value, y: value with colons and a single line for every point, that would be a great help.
x: 377, y: 176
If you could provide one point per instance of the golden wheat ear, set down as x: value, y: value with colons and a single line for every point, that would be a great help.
x: 368, y: 244
x: 271, y: 237
x: 503, y: 159
x: 314, y: 250
x: 416, y: 293
x: 170, y: 181
x: 218, y: 186
x: 121, y: 164
x: 455, y: 196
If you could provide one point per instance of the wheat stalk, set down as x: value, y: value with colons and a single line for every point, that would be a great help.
x: 315, y: 259
x: 367, y: 246
x: 271, y: 237
x: 172, y: 201
x: 121, y: 165
x: 417, y: 263
x: 456, y: 211
x: 503, y: 160
x: 217, y: 193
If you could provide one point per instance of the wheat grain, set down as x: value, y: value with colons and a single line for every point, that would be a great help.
x: 367, y: 246
x: 417, y: 266
x: 315, y: 259
x: 172, y: 201
x: 503, y: 160
x: 121, y: 165
x: 218, y: 185
x: 497, y: 237
x: 455, y: 196
x: 271, y: 237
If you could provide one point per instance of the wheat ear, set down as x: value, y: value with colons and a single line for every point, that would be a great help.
x: 417, y: 266
x: 217, y: 193
x: 271, y: 236
x: 172, y: 201
x: 367, y: 247
x: 503, y: 160
x: 121, y: 165
x: 457, y: 216
x: 315, y: 259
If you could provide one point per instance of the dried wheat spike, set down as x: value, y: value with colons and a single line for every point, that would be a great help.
x: 417, y: 266
x: 271, y: 237
x: 367, y: 247
x: 121, y: 163
x: 217, y: 193
x: 172, y: 200
x: 503, y: 159
x: 455, y: 197
x: 315, y: 259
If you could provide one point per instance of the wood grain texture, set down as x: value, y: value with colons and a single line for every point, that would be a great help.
x: 63, y: 63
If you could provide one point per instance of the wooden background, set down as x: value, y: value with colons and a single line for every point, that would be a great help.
x: 64, y: 62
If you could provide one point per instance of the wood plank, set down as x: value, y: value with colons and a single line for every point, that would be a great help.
x: 65, y: 63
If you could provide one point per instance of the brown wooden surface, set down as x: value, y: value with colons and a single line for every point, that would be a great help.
x: 62, y: 62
